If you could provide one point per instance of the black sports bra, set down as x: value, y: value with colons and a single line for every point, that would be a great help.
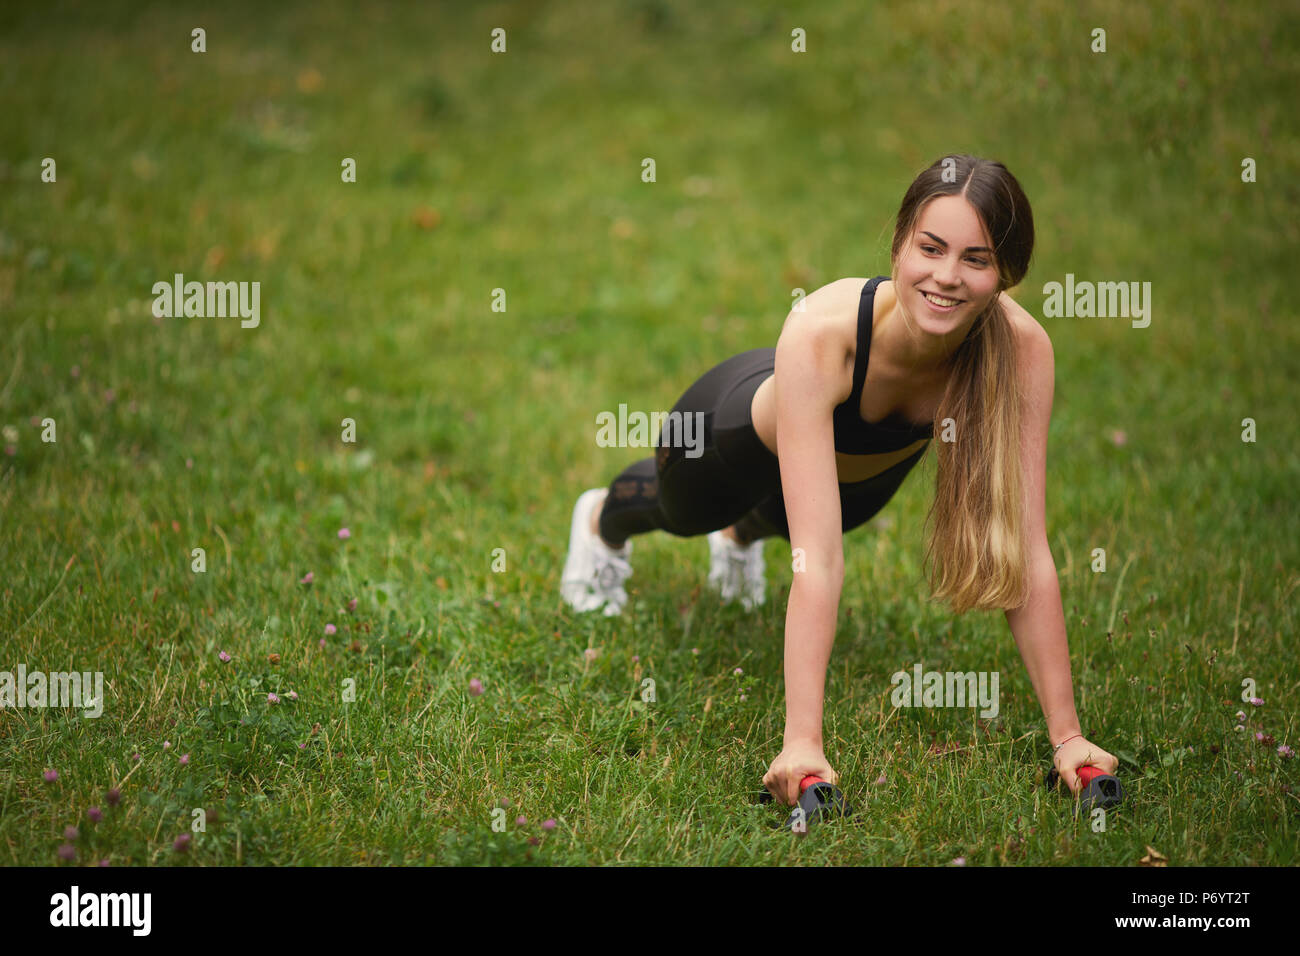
x: 854, y: 435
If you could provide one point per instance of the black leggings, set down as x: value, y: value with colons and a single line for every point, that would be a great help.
x: 736, y: 480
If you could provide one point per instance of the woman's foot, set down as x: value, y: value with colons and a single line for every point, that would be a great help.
x: 736, y: 569
x: 593, y: 573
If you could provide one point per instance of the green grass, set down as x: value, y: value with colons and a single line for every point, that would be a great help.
x: 475, y: 428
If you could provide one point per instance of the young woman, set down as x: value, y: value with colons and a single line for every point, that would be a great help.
x: 812, y: 438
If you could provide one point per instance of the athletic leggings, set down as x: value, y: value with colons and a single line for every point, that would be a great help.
x: 736, y: 480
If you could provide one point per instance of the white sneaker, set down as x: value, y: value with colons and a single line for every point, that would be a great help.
x: 593, y: 572
x: 736, y: 570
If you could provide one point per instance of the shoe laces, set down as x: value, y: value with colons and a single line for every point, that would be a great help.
x: 611, y: 569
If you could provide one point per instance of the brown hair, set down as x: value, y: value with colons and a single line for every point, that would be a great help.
x: 976, y: 551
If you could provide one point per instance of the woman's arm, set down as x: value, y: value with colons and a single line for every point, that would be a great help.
x: 809, y: 374
x: 1039, y: 630
x: 1039, y: 626
x: 810, y: 371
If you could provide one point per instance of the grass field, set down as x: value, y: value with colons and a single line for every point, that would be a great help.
x: 475, y: 428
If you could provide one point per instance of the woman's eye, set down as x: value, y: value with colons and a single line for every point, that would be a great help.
x: 930, y: 250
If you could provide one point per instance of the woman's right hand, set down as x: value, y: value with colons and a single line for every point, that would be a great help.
x: 798, y: 759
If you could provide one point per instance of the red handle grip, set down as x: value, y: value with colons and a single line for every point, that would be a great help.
x: 1087, y: 772
x: 808, y: 781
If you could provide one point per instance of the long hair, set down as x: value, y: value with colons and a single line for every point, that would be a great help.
x: 976, y: 553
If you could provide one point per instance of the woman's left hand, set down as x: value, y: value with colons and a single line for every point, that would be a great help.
x: 1077, y: 753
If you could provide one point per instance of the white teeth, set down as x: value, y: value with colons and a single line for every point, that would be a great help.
x: 940, y: 301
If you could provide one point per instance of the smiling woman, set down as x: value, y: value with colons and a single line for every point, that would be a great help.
x: 810, y: 439
x: 936, y: 342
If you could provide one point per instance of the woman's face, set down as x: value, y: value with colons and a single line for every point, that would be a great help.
x: 946, y: 272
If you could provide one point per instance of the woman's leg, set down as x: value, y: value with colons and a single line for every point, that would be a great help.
x: 636, y: 507
x: 859, y: 502
x: 688, y: 496
x: 754, y: 527
x: 631, y: 505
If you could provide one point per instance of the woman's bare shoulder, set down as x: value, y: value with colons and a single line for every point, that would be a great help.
x: 833, y: 305
x: 833, y: 296
x: 1023, y: 321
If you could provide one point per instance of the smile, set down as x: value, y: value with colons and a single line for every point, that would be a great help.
x: 940, y: 302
